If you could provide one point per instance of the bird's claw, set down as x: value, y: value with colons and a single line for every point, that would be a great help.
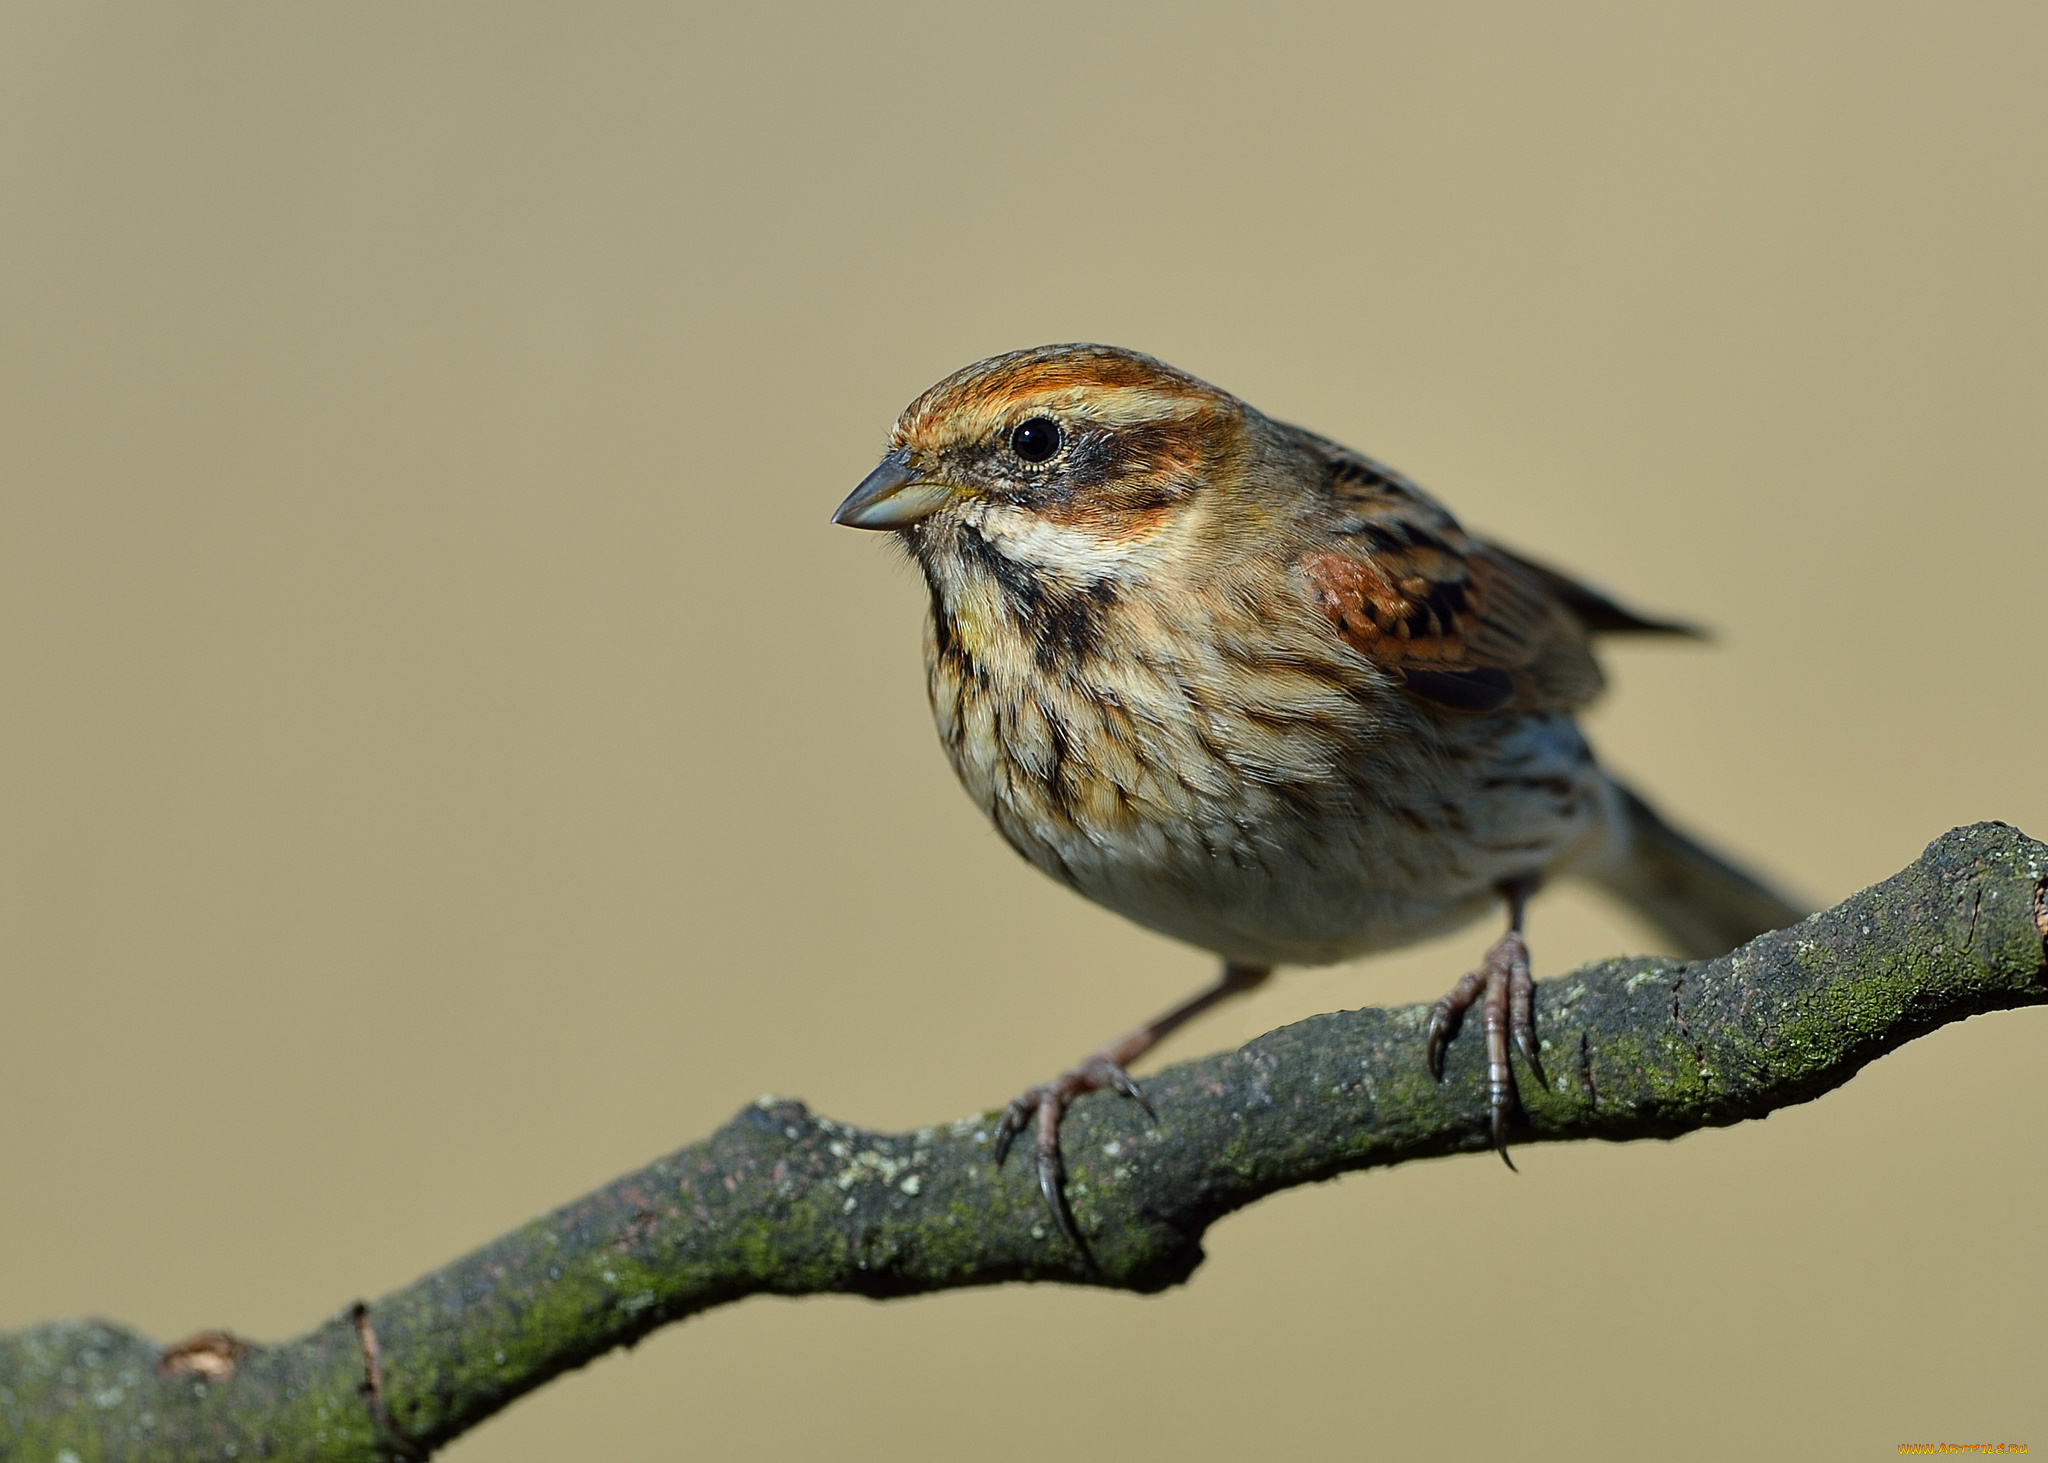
x: 1040, y: 1108
x: 1506, y: 994
x: 1122, y: 1081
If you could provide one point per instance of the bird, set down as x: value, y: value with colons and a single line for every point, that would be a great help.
x: 1261, y: 693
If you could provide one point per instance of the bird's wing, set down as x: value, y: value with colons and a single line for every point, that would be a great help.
x: 1463, y: 624
x: 1596, y: 610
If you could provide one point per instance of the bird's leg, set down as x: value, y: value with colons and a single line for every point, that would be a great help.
x: 1509, y: 994
x: 1042, y: 1106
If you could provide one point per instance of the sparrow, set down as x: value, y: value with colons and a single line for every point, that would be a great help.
x: 1258, y: 692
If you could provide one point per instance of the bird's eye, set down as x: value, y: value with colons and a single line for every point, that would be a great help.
x: 1036, y: 440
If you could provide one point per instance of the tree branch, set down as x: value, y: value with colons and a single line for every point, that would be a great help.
x: 780, y: 1200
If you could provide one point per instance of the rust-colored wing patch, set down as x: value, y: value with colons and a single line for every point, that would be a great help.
x: 1461, y: 629
x: 1463, y: 624
x: 1417, y: 619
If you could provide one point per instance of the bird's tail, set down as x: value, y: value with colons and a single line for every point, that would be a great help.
x: 1702, y: 903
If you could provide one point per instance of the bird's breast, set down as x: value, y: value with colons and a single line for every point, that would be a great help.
x: 1216, y: 776
x: 1162, y: 782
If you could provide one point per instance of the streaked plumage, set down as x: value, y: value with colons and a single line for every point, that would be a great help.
x: 1245, y: 686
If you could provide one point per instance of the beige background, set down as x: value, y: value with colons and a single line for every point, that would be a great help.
x: 447, y: 759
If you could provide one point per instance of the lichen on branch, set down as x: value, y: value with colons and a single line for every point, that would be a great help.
x: 783, y: 1201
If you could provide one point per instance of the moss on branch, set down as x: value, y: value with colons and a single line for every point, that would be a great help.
x: 783, y: 1201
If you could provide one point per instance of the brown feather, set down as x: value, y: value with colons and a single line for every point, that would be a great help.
x: 1461, y: 624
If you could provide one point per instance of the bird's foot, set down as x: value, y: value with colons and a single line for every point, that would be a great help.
x: 1040, y: 1109
x: 1503, y: 983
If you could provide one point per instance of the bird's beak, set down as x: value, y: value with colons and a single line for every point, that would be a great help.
x: 892, y: 496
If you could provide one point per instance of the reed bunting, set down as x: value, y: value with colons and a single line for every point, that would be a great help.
x: 1261, y: 693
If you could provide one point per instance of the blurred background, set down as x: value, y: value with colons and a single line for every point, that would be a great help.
x: 447, y: 758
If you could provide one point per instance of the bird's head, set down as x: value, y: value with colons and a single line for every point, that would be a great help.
x: 1079, y: 463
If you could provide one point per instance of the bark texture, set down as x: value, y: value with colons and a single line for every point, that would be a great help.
x: 784, y: 1201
